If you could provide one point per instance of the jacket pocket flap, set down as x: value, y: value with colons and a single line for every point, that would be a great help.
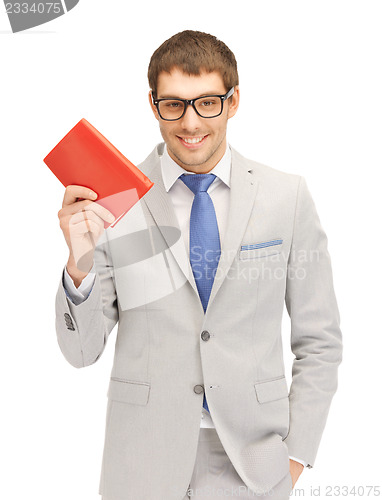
x: 263, y: 249
x: 271, y: 390
x: 128, y: 391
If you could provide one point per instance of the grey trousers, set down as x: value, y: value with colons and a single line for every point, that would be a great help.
x: 215, y: 478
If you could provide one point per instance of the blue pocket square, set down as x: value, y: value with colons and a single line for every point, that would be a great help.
x: 261, y: 245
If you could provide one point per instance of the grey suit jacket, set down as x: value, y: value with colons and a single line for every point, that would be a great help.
x: 168, y: 352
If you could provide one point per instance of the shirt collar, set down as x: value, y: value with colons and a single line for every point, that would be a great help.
x: 171, y: 170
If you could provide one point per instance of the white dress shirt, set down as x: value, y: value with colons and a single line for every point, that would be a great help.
x: 182, y: 198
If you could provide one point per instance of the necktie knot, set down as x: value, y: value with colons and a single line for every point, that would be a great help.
x: 198, y: 183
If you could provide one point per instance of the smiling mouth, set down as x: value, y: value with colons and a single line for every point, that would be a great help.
x: 192, y: 141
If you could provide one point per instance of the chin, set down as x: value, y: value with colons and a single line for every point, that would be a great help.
x: 193, y: 160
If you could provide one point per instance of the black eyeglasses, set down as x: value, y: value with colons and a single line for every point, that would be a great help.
x: 208, y: 106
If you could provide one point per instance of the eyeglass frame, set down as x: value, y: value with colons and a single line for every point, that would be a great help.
x: 191, y: 102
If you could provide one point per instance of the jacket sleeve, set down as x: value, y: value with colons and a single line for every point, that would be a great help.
x: 82, y: 330
x: 316, y: 339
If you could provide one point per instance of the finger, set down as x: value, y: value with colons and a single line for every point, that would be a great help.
x: 87, y: 227
x: 73, y: 192
x: 87, y: 220
x: 92, y: 227
x: 83, y: 215
x: 79, y: 206
x: 100, y: 211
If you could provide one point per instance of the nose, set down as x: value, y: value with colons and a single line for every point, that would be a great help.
x: 191, y: 120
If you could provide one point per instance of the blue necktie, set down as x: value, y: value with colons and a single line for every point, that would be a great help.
x: 204, y: 238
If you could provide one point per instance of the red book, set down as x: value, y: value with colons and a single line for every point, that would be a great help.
x: 86, y: 158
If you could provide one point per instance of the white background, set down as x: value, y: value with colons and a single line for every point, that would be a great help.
x: 310, y: 81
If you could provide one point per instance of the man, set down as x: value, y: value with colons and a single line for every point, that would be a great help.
x: 196, y: 274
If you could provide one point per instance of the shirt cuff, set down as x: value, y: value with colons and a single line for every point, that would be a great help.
x: 299, y: 461
x: 80, y: 294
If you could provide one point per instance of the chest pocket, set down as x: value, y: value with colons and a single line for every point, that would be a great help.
x: 261, y: 249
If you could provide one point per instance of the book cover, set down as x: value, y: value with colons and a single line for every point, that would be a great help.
x: 85, y: 157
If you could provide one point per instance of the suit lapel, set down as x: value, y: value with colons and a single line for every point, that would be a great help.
x: 242, y: 196
x: 243, y: 192
x: 160, y: 206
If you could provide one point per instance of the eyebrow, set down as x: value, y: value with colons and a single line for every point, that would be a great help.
x: 211, y: 92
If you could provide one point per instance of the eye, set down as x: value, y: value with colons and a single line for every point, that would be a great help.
x: 208, y: 102
x: 172, y: 104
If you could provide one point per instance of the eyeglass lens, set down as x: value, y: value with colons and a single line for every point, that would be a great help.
x: 207, y: 107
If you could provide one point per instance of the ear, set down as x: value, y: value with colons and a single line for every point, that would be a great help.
x: 153, y: 107
x: 235, y: 102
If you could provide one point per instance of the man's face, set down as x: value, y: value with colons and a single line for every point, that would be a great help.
x: 200, y: 157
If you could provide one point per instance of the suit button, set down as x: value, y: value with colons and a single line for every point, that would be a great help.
x: 205, y: 335
x: 198, y: 389
x: 69, y: 322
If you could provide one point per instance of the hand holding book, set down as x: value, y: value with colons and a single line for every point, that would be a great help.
x: 82, y: 223
x: 85, y: 162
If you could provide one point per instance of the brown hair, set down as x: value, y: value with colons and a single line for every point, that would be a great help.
x: 192, y: 52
